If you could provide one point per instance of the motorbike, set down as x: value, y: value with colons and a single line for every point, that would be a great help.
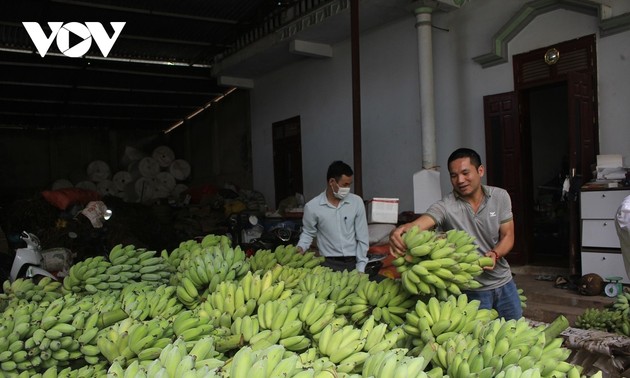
x: 28, y: 261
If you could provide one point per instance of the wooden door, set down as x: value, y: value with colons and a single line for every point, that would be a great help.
x: 503, y: 162
x: 583, y: 150
x: 287, y: 158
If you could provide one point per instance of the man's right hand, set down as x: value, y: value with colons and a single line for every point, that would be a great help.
x: 397, y: 246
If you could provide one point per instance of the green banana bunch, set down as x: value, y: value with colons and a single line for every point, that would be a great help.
x: 175, y: 360
x: 262, y: 260
x: 622, y: 304
x: 132, y: 340
x: 282, y: 316
x: 273, y: 361
x: 96, y: 371
x: 316, y: 314
x: 288, y: 255
x: 522, y: 298
x: 247, y: 327
x: 229, y: 297
x: 397, y: 363
x: 386, y: 300
x: 189, y: 326
x: 206, y: 268
x: 439, y: 264
x: 309, y: 356
x: 344, y: 347
x: 383, y: 364
x: 623, y: 327
x: 174, y: 258
x: 90, y: 276
x: 328, y: 284
x: 142, y: 300
x: 262, y: 288
x: 599, y: 319
x: 440, y: 320
x: 36, y: 336
x: 290, y: 276
x: 129, y: 263
x: 46, y: 289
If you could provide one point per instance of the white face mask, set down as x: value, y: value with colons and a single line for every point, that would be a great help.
x: 341, y: 193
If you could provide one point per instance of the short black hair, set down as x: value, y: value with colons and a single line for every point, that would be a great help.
x: 463, y: 152
x: 337, y: 169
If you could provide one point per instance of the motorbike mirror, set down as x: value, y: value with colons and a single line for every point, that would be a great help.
x: 108, y: 214
x: 253, y: 220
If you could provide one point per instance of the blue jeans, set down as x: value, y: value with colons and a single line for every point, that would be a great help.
x: 503, y: 299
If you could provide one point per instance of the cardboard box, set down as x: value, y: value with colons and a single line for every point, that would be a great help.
x: 382, y: 210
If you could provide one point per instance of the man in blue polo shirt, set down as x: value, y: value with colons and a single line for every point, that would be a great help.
x: 337, y: 219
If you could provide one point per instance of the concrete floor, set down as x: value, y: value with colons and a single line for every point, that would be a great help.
x: 545, y: 302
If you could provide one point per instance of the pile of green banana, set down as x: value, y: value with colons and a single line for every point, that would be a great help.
x: 24, y: 288
x: 285, y: 255
x: 497, y: 346
x: 386, y: 300
x: 439, y: 264
x: 327, y: 324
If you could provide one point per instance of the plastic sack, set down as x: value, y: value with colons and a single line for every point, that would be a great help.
x: 622, y: 224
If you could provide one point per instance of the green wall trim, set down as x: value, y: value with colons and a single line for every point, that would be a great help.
x: 528, y: 12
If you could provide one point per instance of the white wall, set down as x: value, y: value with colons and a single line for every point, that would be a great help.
x: 320, y: 92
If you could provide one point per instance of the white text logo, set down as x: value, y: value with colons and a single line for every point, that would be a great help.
x: 61, y: 31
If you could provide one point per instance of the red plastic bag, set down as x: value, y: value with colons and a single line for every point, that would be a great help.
x: 62, y: 198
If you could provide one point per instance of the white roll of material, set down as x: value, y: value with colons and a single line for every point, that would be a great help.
x: 179, y: 189
x: 61, y: 184
x: 89, y: 185
x: 106, y: 188
x: 121, y: 179
x: 98, y: 170
x: 166, y: 180
x: 180, y: 169
x: 163, y: 155
x: 145, y: 189
x: 148, y: 167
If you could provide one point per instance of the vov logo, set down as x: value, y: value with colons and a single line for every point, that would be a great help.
x: 61, y: 32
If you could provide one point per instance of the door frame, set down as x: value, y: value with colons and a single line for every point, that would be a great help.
x: 530, y: 73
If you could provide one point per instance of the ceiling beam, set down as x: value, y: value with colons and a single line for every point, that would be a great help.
x: 147, y: 12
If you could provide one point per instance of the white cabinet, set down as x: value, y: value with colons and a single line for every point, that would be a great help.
x: 601, y: 253
x: 604, y: 264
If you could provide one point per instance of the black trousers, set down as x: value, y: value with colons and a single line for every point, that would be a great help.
x: 341, y: 263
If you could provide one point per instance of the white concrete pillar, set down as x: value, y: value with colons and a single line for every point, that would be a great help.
x: 427, y: 97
